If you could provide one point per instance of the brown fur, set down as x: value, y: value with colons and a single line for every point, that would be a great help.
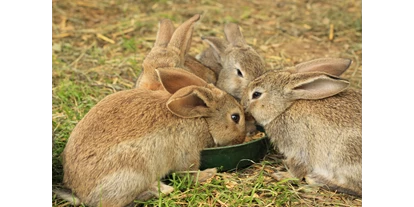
x: 315, y: 121
x: 170, y: 51
x: 132, y: 138
x: 200, y: 70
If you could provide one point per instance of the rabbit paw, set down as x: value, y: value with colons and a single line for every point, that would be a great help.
x: 206, y: 174
x: 153, y: 191
x: 146, y: 195
x: 166, y: 189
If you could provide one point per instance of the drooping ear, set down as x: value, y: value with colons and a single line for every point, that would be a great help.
x: 164, y: 34
x: 174, y: 79
x: 181, y: 38
x: 219, y: 45
x: 191, y: 102
x: 332, y: 66
x: 234, y: 35
x: 315, y: 85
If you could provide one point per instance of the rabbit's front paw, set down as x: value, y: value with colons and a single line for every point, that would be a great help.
x: 206, y: 174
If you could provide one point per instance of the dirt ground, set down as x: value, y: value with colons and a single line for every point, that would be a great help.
x: 283, y: 32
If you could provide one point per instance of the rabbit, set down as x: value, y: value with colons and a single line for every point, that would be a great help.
x: 233, y: 60
x: 132, y: 138
x: 235, y: 64
x: 314, y: 119
x: 170, y: 46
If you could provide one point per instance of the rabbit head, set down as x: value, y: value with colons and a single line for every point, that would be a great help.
x: 223, y: 114
x: 271, y: 94
x: 240, y: 62
x: 132, y: 138
x: 169, y: 51
x: 314, y: 119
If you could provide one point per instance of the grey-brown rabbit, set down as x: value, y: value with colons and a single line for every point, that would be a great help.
x: 235, y: 64
x: 233, y: 60
x: 314, y: 119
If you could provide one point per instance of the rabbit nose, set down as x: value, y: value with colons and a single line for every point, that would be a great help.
x: 247, y: 109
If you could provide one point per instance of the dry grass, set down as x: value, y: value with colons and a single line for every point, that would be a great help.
x: 98, y: 48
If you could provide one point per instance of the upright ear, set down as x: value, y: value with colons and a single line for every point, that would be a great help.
x: 219, y: 45
x: 174, y: 79
x: 234, y: 35
x: 191, y: 102
x: 315, y: 85
x: 332, y: 66
x: 181, y: 39
x: 164, y: 34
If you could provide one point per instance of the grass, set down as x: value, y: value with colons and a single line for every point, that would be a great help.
x: 98, y: 48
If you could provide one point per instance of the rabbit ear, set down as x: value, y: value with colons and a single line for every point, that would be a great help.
x: 332, y: 66
x: 174, y: 79
x: 316, y: 85
x: 181, y: 39
x: 191, y: 102
x: 164, y: 34
x: 219, y: 45
x: 234, y: 35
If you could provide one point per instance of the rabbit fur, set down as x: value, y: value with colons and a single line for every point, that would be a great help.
x: 314, y: 119
x: 132, y: 138
x: 233, y: 60
x: 170, y: 50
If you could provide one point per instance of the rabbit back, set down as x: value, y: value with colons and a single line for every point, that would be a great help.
x: 193, y: 65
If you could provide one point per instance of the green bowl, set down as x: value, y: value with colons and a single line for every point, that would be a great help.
x: 235, y: 156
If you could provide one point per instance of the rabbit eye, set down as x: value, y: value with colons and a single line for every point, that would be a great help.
x: 256, y: 95
x: 239, y: 73
x: 235, y: 118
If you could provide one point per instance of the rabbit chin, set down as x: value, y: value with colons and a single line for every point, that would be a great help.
x: 262, y: 120
x: 217, y: 143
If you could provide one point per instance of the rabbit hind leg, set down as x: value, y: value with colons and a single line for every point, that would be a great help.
x: 154, y: 191
x: 332, y: 185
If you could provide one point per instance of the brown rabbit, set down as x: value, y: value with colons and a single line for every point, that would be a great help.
x: 314, y: 120
x: 170, y: 50
x: 131, y: 139
x: 234, y: 61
